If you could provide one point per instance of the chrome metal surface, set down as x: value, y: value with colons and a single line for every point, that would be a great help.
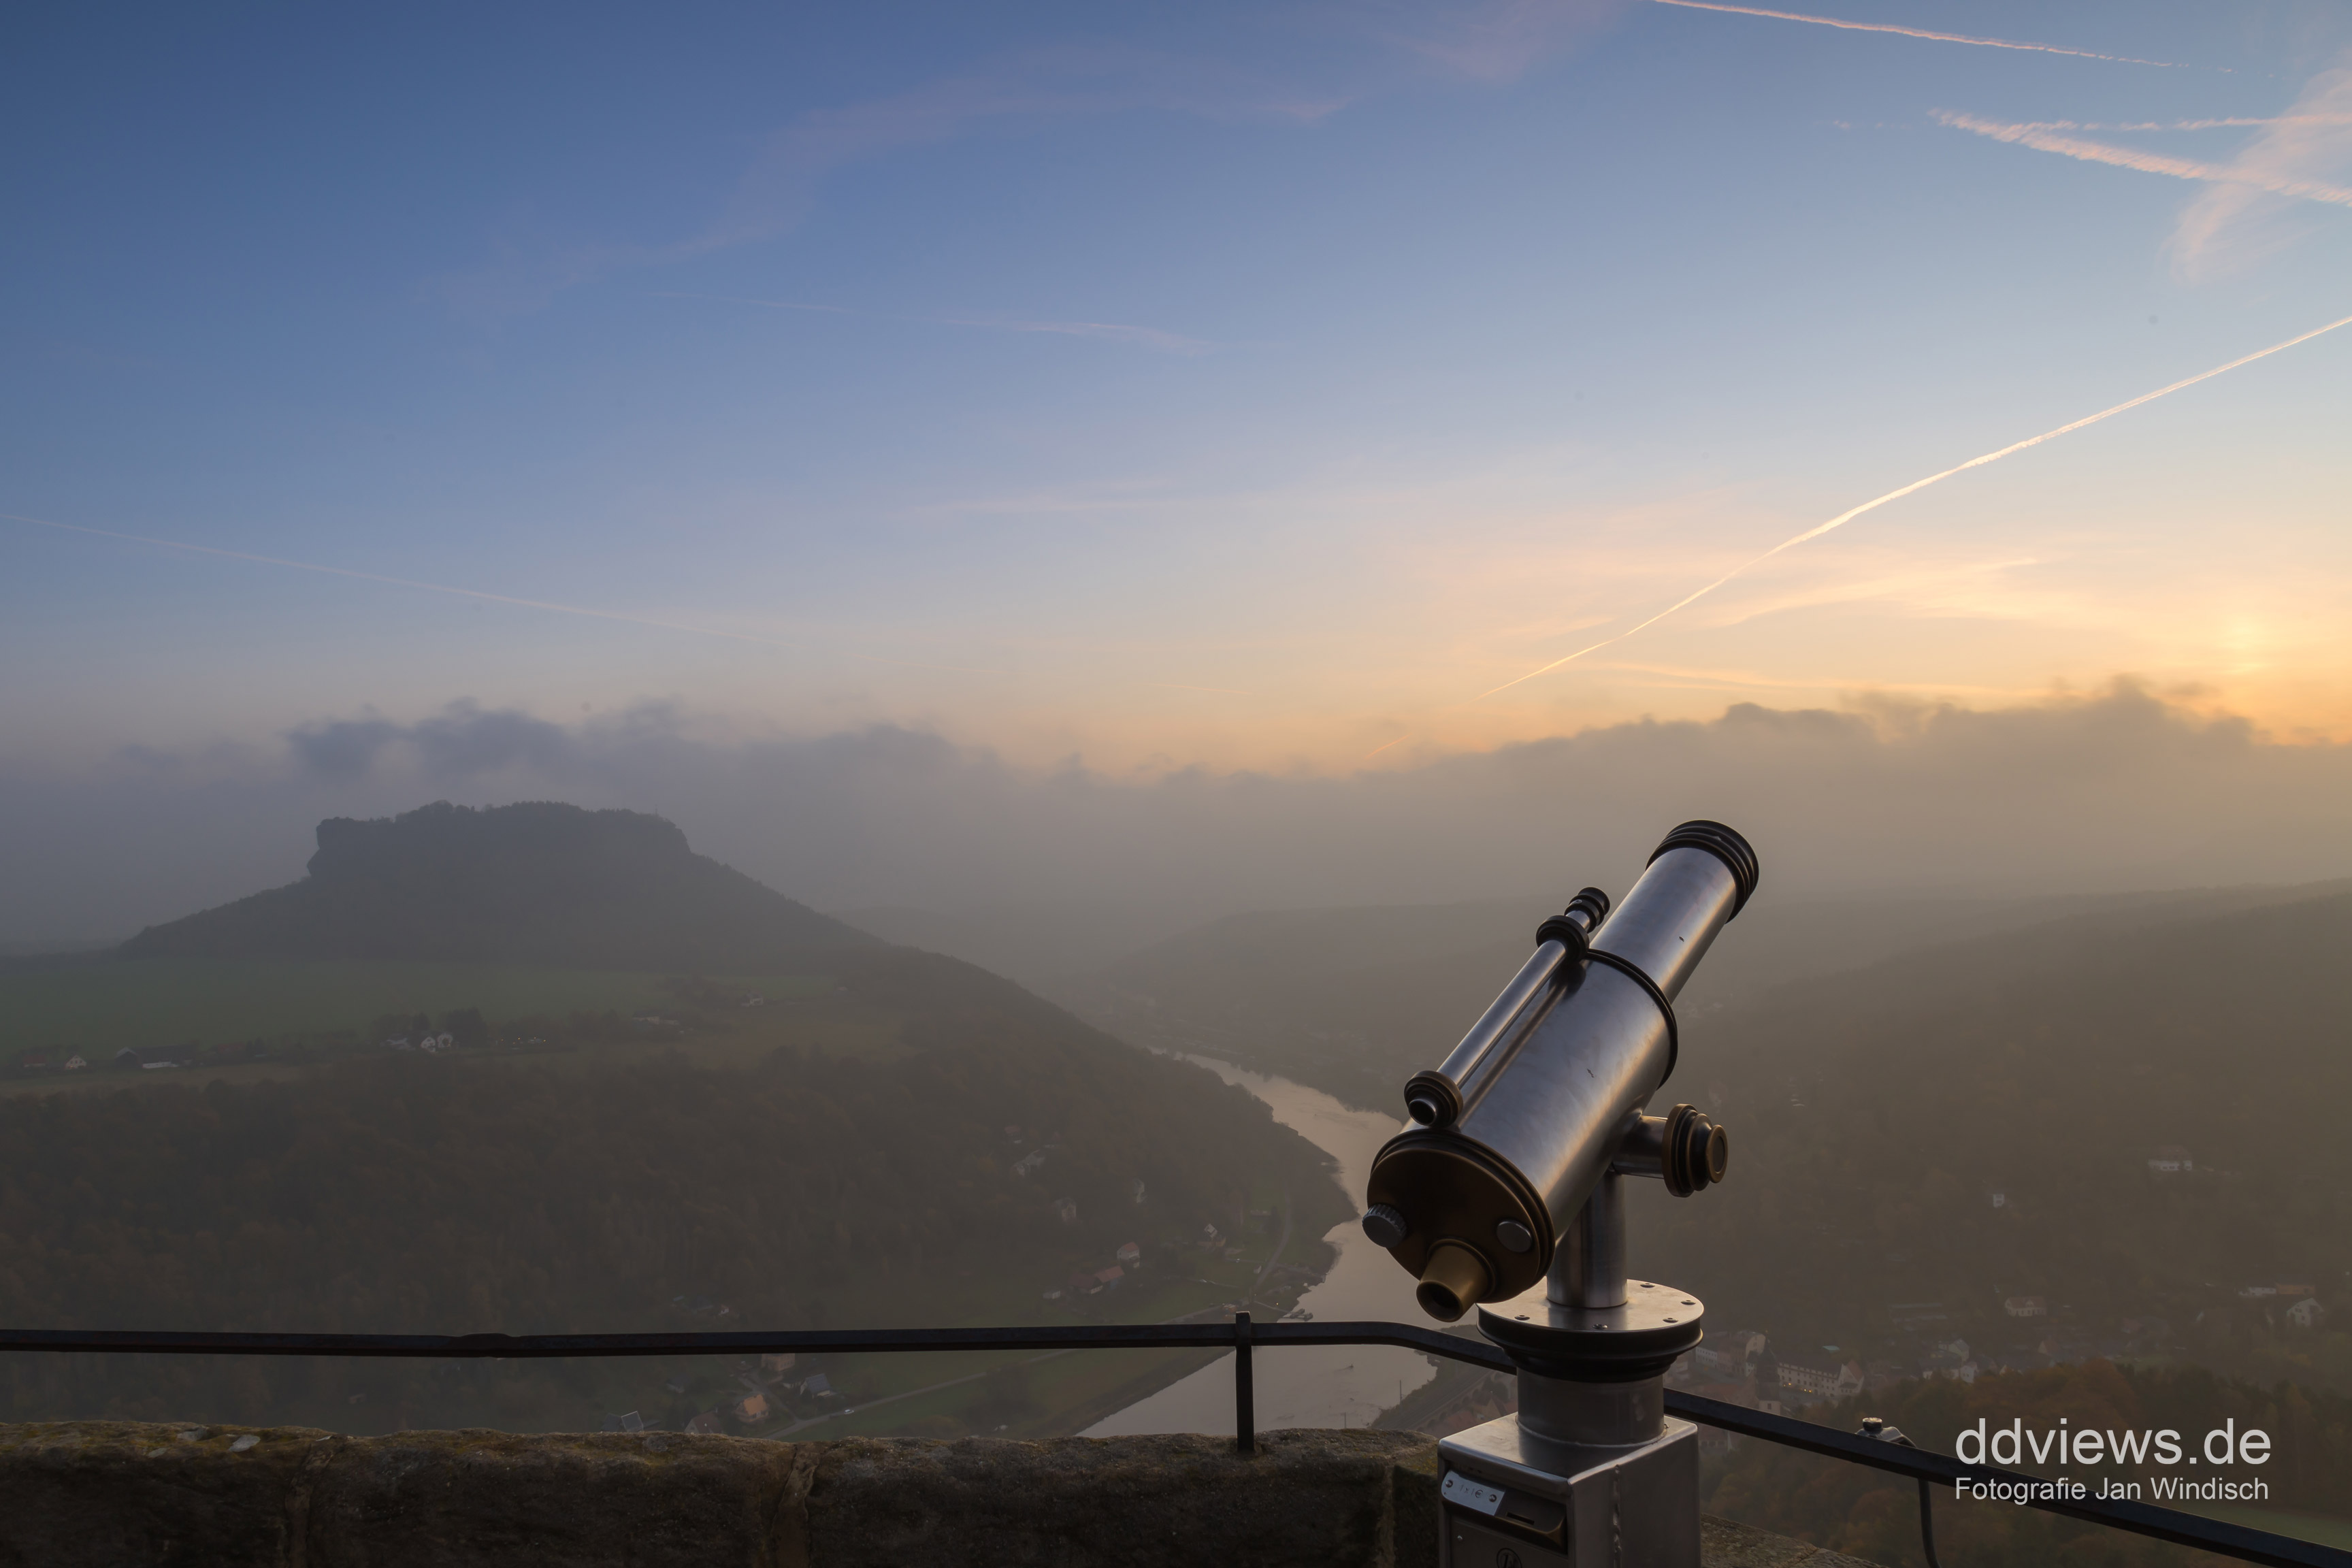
x: 1592, y: 1416
x: 1557, y: 1108
x: 1642, y: 1150
x: 1672, y: 917
x: 1494, y: 1024
x: 1587, y: 1270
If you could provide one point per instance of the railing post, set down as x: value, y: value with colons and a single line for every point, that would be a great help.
x: 1244, y: 1394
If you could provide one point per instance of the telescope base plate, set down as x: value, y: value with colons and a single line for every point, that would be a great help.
x: 1583, y: 1344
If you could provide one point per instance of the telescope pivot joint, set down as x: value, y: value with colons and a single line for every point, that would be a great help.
x: 1682, y: 1147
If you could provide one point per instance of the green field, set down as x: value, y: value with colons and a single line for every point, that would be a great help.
x: 106, y: 1006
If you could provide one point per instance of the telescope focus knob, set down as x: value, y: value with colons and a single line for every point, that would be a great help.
x: 1683, y: 1146
x: 1384, y: 1222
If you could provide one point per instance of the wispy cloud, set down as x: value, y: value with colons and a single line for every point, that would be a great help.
x: 2257, y: 173
x: 1499, y: 40
x: 2235, y: 220
x: 626, y: 618
x: 1107, y: 331
x: 1914, y: 487
x: 1031, y: 87
x: 777, y: 188
x: 2235, y: 121
x: 1851, y: 26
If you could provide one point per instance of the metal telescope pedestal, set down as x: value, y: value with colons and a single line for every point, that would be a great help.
x: 1589, y: 1473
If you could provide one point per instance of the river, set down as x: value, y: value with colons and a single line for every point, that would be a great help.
x: 1306, y: 1385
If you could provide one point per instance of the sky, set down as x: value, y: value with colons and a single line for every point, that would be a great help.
x: 1214, y: 398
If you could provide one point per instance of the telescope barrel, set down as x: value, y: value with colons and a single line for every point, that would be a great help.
x: 1479, y: 1200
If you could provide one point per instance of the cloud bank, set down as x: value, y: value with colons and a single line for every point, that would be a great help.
x: 2117, y: 790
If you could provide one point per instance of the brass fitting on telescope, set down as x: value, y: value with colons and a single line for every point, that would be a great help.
x: 1682, y: 1146
x: 1455, y: 1279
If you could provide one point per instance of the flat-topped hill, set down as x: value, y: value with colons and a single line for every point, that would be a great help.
x: 538, y: 883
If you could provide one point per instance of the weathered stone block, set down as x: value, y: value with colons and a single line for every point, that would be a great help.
x: 108, y: 1493
x: 1306, y: 1498
x: 436, y: 1499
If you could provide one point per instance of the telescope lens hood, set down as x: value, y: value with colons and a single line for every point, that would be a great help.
x: 1727, y: 846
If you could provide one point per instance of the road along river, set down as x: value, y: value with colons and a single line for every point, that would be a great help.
x: 1306, y: 1385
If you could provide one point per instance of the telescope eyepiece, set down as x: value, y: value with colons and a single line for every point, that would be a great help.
x: 1455, y: 1279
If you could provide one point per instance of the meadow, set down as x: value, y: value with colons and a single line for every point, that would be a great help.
x: 98, y: 1007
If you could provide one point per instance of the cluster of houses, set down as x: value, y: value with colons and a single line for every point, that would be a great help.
x: 43, y: 1061
x: 1083, y: 1283
x: 766, y: 1390
x: 2303, y: 1310
x: 1742, y: 1367
x: 429, y: 1044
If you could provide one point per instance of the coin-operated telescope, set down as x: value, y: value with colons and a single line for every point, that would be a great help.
x: 1504, y: 1193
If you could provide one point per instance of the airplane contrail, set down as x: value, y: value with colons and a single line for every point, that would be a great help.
x: 2038, y: 136
x: 1842, y: 518
x: 1918, y: 33
x: 549, y: 604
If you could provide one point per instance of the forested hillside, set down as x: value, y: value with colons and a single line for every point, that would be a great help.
x: 881, y: 1136
x: 1919, y: 1144
x: 1876, y: 1516
x: 414, y: 1195
x: 1356, y: 1000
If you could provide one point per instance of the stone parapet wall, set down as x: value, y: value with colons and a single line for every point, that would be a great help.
x: 115, y: 1492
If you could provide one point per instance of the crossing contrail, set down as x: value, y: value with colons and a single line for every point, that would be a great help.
x: 2039, y: 137
x: 1919, y: 33
x: 548, y: 605
x: 1842, y: 518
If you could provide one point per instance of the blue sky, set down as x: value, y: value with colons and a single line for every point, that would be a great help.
x: 1249, y: 387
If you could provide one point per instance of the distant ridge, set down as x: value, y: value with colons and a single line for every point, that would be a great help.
x: 538, y: 883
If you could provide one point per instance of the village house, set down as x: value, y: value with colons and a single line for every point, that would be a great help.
x: 1029, y: 1161
x: 751, y: 1409
x: 2026, y: 1307
x: 773, y: 1364
x: 2172, y: 1160
x: 1137, y: 1190
x: 75, y: 1064
x: 1130, y: 1254
x: 705, y: 1424
x: 2306, y: 1314
x: 1066, y: 1210
x: 1832, y: 1380
x: 1110, y: 1277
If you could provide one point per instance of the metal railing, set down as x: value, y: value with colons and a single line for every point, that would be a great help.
x: 1240, y: 1336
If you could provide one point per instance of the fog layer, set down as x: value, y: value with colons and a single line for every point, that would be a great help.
x: 2122, y: 789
